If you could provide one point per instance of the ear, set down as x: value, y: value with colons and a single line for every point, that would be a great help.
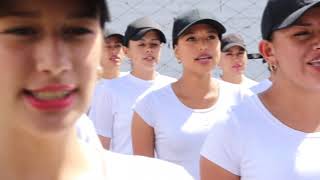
x: 126, y: 52
x: 266, y: 49
x: 177, y: 53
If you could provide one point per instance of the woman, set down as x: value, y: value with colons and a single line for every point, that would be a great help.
x: 173, y: 121
x: 113, y: 54
x: 49, y: 54
x: 275, y: 134
x: 112, y: 113
x: 234, y: 61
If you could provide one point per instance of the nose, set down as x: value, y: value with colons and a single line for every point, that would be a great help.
x: 203, y: 44
x: 149, y: 48
x: 51, y: 57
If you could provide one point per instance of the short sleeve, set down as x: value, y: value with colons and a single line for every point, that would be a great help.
x: 223, y: 145
x: 101, y: 112
x: 86, y: 131
x: 143, y: 107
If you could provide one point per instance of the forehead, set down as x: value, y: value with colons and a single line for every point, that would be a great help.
x: 200, y: 27
x: 310, y: 15
x: 113, y: 39
x: 36, y: 8
x: 235, y: 49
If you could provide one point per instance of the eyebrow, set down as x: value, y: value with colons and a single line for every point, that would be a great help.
x: 34, y: 14
x: 193, y: 32
x: 151, y: 39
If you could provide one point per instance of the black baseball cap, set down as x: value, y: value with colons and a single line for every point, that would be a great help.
x: 280, y: 14
x: 109, y: 32
x: 195, y: 16
x: 138, y: 28
x: 230, y: 40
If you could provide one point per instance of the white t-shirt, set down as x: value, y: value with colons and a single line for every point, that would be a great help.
x: 180, y: 130
x: 262, y: 86
x: 99, y: 87
x: 86, y: 131
x: 255, y: 145
x: 112, y: 112
x: 246, y: 82
x: 129, y: 167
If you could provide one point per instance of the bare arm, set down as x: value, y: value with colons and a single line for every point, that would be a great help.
x: 142, y: 137
x: 211, y: 171
x: 105, y: 141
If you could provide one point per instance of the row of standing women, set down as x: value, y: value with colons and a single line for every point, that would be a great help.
x: 252, y: 136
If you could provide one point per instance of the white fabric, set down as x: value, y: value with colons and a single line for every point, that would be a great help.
x: 180, y: 130
x: 253, y: 144
x: 86, y: 131
x: 129, y: 167
x: 262, y: 86
x: 112, y: 111
x: 99, y: 87
x: 246, y: 82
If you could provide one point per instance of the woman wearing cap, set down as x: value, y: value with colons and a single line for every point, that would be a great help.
x: 112, y: 114
x: 173, y: 121
x: 234, y: 61
x: 109, y: 67
x: 113, y: 54
x: 275, y: 134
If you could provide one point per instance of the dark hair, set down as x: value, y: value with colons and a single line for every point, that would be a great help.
x: 96, y: 8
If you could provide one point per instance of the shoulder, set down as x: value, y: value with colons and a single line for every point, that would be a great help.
x: 165, y: 78
x: 139, y: 167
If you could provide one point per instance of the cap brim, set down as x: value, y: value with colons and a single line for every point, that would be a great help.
x: 226, y: 47
x: 290, y: 20
x: 217, y: 25
x: 139, y: 35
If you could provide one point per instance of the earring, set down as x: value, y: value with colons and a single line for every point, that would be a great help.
x: 272, y: 67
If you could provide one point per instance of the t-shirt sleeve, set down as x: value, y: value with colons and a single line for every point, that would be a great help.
x: 223, y: 145
x: 101, y: 112
x: 143, y: 107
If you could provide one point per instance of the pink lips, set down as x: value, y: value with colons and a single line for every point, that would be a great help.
x: 54, y: 104
x: 204, y: 59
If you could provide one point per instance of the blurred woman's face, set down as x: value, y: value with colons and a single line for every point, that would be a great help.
x: 49, y: 53
x: 234, y: 61
x: 145, y: 53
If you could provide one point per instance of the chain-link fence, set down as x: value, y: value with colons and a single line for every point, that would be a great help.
x: 240, y: 16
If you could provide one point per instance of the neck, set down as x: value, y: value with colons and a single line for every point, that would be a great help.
x: 145, y: 75
x: 197, y: 85
x: 232, y: 78
x: 294, y: 106
x: 25, y: 156
x: 111, y: 73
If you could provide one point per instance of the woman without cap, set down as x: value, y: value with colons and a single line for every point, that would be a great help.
x: 49, y: 53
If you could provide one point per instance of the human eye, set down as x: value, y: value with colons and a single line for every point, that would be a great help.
x: 154, y: 45
x: 118, y: 46
x: 301, y: 33
x: 212, y: 37
x: 141, y: 44
x: 76, y: 31
x: 191, y: 39
x: 21, y: 31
